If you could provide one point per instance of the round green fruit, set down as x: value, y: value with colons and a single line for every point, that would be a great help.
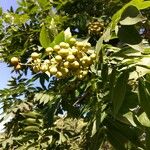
x: 53, y: 70
x: 70, y: 58
x: 49, y: 50
x: 34, y: 55
x: 14, y: 61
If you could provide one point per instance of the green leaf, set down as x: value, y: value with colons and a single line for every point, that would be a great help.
x: 119, y: 91
x: 112, y: 79
x: 59, y: 38
x: 31, y: 121
x: 143, y: 119
x: 99, y: 47
x: 144, y: 5
x: 1, y: 11
x: 31, y: 129
x: 147, y: 138
x: 137, y: 3
x: 31, y: 114
x: 52, y: 28
x: 38, y: 96
x: 131, y: 21
x: 44, y: 97
x: 129, y: 35
x: 143, y: 66
x: 62, y: 138
x: 116, y: 139
x: 45, y: 38
x: 124, y: 131
x: 23, y: 18
x: 67, y: 34
x: 106, y: 36
x: 104, y: 73
x: 94, y: 128
x: 146, y: 51
x: 97, y: 140
x: 129, y: 117
x: 116, y: 17
x: 43, y: 3
x: 131, y: 16
x: 144, y: 97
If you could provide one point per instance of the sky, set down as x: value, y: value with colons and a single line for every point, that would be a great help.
x: 5, y: 72
x: 6, y: 4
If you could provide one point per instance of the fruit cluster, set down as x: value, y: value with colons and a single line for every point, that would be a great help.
x: 72, y: 58
x: 95, y: 28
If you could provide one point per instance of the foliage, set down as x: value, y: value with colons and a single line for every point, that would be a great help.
x: 108, y: 108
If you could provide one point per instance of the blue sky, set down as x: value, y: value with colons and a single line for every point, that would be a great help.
x: 5, y: 72
x: 6, y: 4
x: 5, y: 75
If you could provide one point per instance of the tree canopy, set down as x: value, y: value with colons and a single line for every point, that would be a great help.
x: 92, y: 64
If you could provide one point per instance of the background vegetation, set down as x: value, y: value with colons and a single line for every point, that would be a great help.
x: 106, y: 109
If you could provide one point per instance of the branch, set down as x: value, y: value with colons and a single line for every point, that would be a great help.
x: 80, y: 98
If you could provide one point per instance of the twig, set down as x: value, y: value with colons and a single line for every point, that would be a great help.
x: 80, y: 98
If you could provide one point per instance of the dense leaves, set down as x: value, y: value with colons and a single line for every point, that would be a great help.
x: 108, y: 108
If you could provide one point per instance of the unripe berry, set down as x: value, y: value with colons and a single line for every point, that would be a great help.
x: 66, y: 64
x: 84, y: 72
x: 34, y: 55
x: 49, y: 50
x: 93, y: 56
x: 58, y: 58
x: 79, y: 54
x: 53, y: 70
x: 98, y: 29
x: 53, y: 61
x: 85, y: 58
x: 63, y: 52
x: 18, y: 67
x: 56, y: 48
x: 72, y: 41
x: 84, y: 49
x: 86, y: 61
x: 89, y: 61
x: 79, y: 44
x: 44, y: 68
x: 87, y: 45
x: 64, y: 71
x: 59, y: 74
x: 90, y: 51
x: 64, y: 45
x: 37, y: 61
x: 74, y: 51
x: 70, y: 58
x: 95, y: 26
x: 75, y: 64
x: 14, y: 61
x: 47, y: 61
x: 36, y: 69
x: 80, y: 76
